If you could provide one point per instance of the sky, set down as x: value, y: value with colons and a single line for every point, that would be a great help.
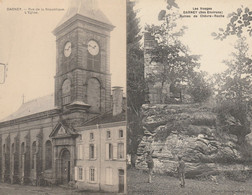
x: 198, y: 35
x: 28, y: 45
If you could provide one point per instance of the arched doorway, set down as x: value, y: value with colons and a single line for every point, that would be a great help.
x: 65, y: 166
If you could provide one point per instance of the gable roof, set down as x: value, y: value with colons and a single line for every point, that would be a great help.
x: 69, y: 131
x: 32, y: 107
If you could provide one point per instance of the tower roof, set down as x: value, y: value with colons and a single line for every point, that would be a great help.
x: 86, y: 8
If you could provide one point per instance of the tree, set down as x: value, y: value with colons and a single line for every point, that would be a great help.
x: 235, y: 82
x: 240, y: 24
x: 170, y: 59
x: 199, y: 88
x: 235, y: 91
x: 135, y: 80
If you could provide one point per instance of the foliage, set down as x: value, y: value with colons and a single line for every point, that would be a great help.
x: 235, y: 82
x: 135, y: 79
x: 234, y: 85
x: 169, y: 58
x: 232, y: 115
x: 240, y: 24
x: 199, y: 88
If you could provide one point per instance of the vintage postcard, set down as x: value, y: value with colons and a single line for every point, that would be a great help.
x: 189, y: 97
x: 63, y: 96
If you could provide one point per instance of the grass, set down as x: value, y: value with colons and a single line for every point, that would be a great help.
x: 165, y: 185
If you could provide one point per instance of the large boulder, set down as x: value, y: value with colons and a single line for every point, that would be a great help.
x: 191, y: 131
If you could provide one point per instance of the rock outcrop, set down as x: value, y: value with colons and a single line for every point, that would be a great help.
x: 191, y: 131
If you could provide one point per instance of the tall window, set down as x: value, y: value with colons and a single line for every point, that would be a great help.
x: 91, y: 151
x: 109, y: 151
x: 120, y: 150
x: 13, y: 148
x: 92, y: 174
x: 48, y: 154
x: 4, y: 150
x: 33, y: 153
x: 80, y: 173
x: 66, y: 92
x: 22, y: 148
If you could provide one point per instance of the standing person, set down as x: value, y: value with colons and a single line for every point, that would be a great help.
x: 181, y: 171
x: 150, y: 164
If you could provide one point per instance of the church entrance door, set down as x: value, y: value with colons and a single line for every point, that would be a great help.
x: 65, y: 166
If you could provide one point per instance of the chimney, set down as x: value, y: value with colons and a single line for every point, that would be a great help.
x: 117, y: 93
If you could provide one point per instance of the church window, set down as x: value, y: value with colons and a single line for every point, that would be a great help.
x: 120, y: 151
x: 4, y: 150
x: 48, y: 154
x: 66, y: 92
x: 13, y: 148
x: 22, y: 148
x: 33, y: 154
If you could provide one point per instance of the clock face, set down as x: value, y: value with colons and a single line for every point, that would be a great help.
x: 93, y: 47
x: 67, y: 49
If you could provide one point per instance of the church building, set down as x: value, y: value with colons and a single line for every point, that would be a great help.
x: 78, y: 134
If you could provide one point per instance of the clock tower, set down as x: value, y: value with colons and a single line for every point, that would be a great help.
x: 83, y: 79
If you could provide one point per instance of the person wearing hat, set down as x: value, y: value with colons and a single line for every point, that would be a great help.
x: 150, y: 164
x: 181, y: 171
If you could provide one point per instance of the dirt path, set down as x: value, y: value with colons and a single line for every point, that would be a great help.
x: 161, y: 184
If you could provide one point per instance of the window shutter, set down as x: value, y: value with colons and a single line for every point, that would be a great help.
x: 107, y: 151
x: 95, y: 151
x: 84, y: 174
x: 95, y: 175
x: 86, y: 151
x: 115, y: 152
x: 76, y: 173
x: 111, y: 176
x: 87, y: 174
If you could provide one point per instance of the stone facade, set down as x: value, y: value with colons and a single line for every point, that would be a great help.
x: 40, y: 141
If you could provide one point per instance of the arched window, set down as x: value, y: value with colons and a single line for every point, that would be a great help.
x: 22, y: 148
x: 48, y: 154
x: 94, y: 94
x: 33, y: 153
x: 13, y: 148
x: 4, y: 149
x: 66, y: 92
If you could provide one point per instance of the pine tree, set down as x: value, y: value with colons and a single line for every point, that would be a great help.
x: 135, y: 79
